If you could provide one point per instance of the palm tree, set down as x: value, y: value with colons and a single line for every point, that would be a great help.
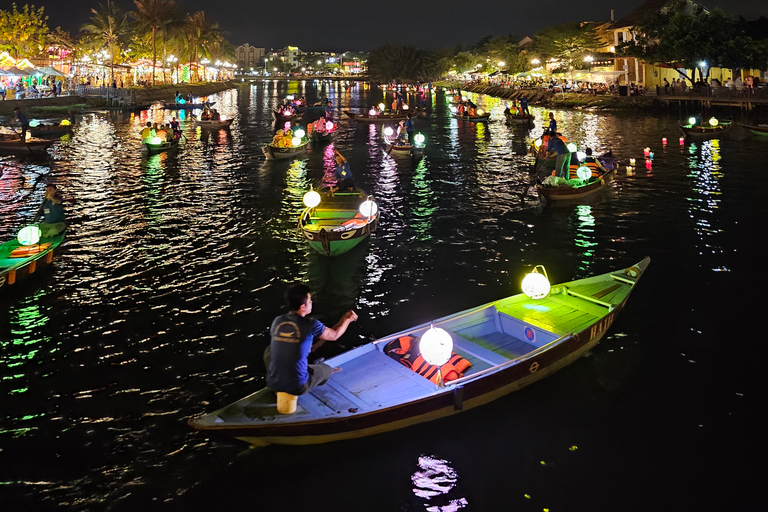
x: 108, y: 27
x: 197, y: 33
x: 153, y: 15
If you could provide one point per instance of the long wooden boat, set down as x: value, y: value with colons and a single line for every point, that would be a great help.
x: 399, y: 148
x: 513, y: 119
x: 210, y: 123
x: 511, y: 343
x: 12, y: 144
x: 282, y: 117
x: 187, y: 106
x: 15, y: 267
x: 567, y: 192
x: 322, y: 137
x: 384, y: 117
x: 760, y: 130
x: 705, y: 132
x: 49, y: 130
x: 152, y: 149
x: 281, y: 153
x: 336, y: 225
x: 474, y: 119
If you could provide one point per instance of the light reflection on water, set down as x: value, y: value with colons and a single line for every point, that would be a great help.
x: 175, y: 264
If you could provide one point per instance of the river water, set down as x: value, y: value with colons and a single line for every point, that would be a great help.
x: 174, y: 266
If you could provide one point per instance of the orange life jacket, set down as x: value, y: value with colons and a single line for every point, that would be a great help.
x: 404, y: 350
x: 29, y: 250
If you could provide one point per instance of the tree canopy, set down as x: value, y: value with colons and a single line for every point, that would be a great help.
x: 566, y: 42
x: 23, y: 32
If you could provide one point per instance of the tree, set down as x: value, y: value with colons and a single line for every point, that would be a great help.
x: 197, y: 33
x: 152, y: 15
x: 567, y: 42
x: 681, y: 35
x: 23, y: 32
x: 107, y: 28
x: 399, y: 63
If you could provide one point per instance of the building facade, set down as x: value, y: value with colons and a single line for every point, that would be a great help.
x: 249, y: 56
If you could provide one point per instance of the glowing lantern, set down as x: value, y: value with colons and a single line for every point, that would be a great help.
x: 372, y: 112
x: 329, y: 126
x: 289, y: 97
x: 311, y: 199
x: 454, y: 109
x: 388, y: 131
x: 156, y: 141
x: 480, y: 111
x: 436, y: 346
x: 583, y: 172
x: 572, y: 147
x: 419, y: 139
x: 632, y: 161
x: 287, y: 125
x: 29, y: 235
x: 537, y: 143
x: 650, y: 155
x: 64, y: 122
x: 647, y: 151
x: 692, y: 121
x: 664, y: 141
x: 713, y: 122
x: 536, y: 285
x: 34, y: 123
x: 629, y: 170
x: 405, y: 107
x: 368, y: 208
x: 182, y: 101
x: 580, y: 155
x: 682, y: 140
x: 296, y: 141
x: 381, y: 107
x: 299, y: 133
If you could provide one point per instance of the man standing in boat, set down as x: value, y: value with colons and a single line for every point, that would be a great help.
x: 556, y: 146
x: 293, y: 338
x: 19, y: 116
x: 52, y: 211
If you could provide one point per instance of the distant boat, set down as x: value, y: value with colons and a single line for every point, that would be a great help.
x: 282, y: 153
x: 474, y: 119
x: 705, y: 132
x: 13, y: 144
x: 516, y: 119
x: 509, y: 343
x: 187, y: 106
x: 761, y: 130
x: 49, y: 130
x: 153, y: 148
x: 210, y: 123
x: 384, y: 117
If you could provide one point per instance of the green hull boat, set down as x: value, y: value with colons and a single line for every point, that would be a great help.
x: 14, y: 266
x: 336, y: 225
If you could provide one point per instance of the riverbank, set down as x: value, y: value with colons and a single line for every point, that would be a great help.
x: 140, y: 95
x: 558, y: 100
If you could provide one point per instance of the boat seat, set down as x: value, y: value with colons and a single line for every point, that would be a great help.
x: 471, y: 350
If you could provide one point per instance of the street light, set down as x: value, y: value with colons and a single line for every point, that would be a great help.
x: 502, y: 64
x: 265, y: 65
x: 588, y: 59
x: 535, y: 62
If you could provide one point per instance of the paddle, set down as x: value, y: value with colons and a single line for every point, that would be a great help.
x: 24, y: 141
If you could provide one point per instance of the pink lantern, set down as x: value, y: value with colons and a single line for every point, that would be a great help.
x: 682, y: 141
x: 664, y: 141
x: 646, y: 151
x: 329, y: 126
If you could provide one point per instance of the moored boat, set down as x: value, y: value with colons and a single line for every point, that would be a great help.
x: 474, y: 119
x: 518, y: 119
x: 337, y: 224
x: 210, y: 123
x: 281, y: 153
x: 384, y: 117
x: 761, y: 130
x: 19, y: 261
x: 187, y: 106
x: 49, y: 130
x: 703, y: 132
x: 159, y: 146
x: 509, y: 343
x: 12, y: 144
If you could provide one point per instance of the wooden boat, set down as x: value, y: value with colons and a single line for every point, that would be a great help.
x: 210, y: 123
x: 474, y: 119
x: 10, y: 143
x: 281, y: 153
x: 187, y: 106
x: 514, y: 119
x: 705, y: 132
x: 15, y: 268
x: 566, y: 192
x: 400, y: 148
x: 282, y: 118
x: 511, y: 343
x: 384, y: 117
x: 49, y: 130
x: 336, y: 225
x: 760, y: 130
x: 152, y: 149
x: 314, y: 136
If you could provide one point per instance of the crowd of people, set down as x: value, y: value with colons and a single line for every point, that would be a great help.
x: 168, y: 132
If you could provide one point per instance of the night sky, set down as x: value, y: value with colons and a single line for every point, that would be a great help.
x: 362, y: 25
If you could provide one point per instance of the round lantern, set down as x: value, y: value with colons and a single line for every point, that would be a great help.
x: 381, y: 107
x: 713, y: 121
x: 419, y: 139
x: 388, y: 131
x: 580, y: 155
x: 296, y: 141
x: 329, y: 126
x: 583, y: 172
x: 299, y: 133
x: 368, y: 208
x: 454, y: 109
x: 692, y: 121
x: 64, y: 122
x: 156, y: 141
x: 480, y: 111
x: 536, y: 285
x: 28, y: 235
x: 436, y: 346
x: 572, y: 147
x: 34, y: 123
x: 311, y: 199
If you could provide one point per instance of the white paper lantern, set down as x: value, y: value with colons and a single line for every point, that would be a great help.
x: 536, y: 285
x: 368, y: 208
x: 436, y: 346
x: 311, y: 199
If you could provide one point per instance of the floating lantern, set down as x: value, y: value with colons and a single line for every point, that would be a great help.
x: 632, y: 161
x: 287, y: 125
x: 289, y: 97
x: 572, y: 147
x: 328, y: 126
x: 436, y: 346
x: 454, y: 109
x: 28, y: 235
x: 419, y: 139
x: 692, y: 121
x: 34, y: 123
x: 156, y: 141
x: 646, y: 151
x: 629, y: 170
x: 480, y: 111
x: 372, y: 112
x: 713, y: 121
x: 405, y: 107
x: 300, y: 133
x: 536, y: 285
x: 311, y: 199
x: 296, y: 141
x: 682, y: 141
x: 368, y: 208
x: 381, y: 107
x: 648, y: 164
x: 581, y: 155
x: 664, y: 141
x: 388, y: 131
x: 583, y: 172
x: 537, y: 143
x: 64, y: 122
x: 650, y: 155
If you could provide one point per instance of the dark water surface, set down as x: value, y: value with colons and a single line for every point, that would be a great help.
x: 175, y: 264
